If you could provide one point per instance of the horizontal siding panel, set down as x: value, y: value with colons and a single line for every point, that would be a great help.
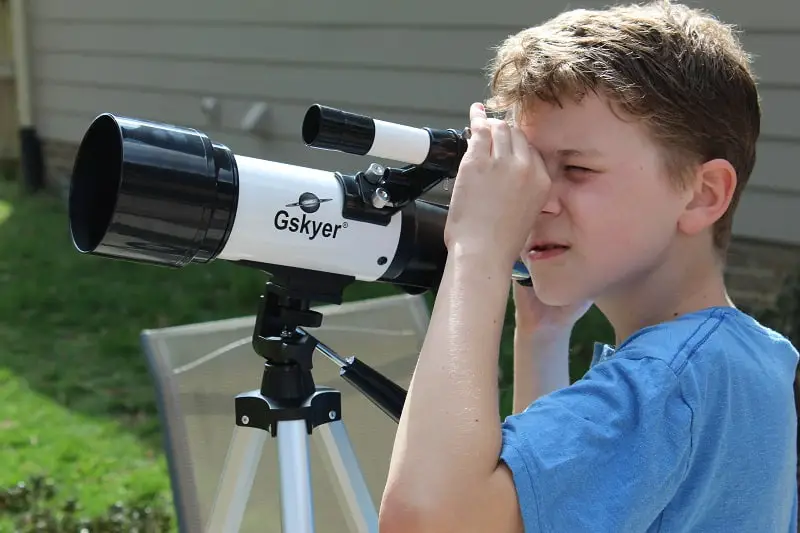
x: 772, y: 53
x: 780, y: 113
x: 764, y: 214
x: 778, y: 168
x: 768, y: 14
x: 441, y: 94
x: 391, y: 48
x: 308, y: 12
x: 781, y: 15
x: 9, y: 131
x: 6, y: 52
x: 285, y: 118
x: 6, y: 70
x: 408, y: 48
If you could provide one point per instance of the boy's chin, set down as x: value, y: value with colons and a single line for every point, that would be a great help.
x: 558, y: 294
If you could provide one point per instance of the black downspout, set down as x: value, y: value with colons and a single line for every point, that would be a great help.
x: 31, y: 159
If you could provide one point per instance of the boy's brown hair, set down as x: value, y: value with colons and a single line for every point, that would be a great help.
x: 679, y: 70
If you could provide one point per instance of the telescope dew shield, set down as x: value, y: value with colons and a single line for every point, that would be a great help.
x: 151, y: 193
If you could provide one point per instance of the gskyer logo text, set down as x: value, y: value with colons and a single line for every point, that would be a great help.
x: 304, y: 225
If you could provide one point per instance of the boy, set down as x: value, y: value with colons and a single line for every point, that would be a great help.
x: 629, y: 135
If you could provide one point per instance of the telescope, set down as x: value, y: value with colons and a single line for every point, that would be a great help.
x: 165, y: 195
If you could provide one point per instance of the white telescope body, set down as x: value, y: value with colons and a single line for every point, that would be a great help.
x: 291, y: 216
x: 166, y: 195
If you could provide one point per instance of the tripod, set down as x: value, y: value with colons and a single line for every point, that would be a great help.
x: 290, y: 407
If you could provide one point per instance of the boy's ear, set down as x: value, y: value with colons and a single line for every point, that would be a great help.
x: 709, y: 196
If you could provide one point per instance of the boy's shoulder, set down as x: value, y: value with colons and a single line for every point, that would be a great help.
x: 716, y: 336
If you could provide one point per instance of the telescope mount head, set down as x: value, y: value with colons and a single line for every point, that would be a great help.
x: 284, y: 307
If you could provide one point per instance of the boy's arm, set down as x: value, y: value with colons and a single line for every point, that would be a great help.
x: 589, y: 453
x: 541, y: 364
x: 445, y: 473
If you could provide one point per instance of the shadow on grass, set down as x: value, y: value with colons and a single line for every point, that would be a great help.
x: 70, y: 323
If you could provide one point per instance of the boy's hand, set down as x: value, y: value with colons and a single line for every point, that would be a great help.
x: 501, y: 187
x: 533, y: 317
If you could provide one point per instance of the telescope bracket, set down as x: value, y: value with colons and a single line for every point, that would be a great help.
x: 288, y: 391
x: 256, y: 410
x: 378, y: 193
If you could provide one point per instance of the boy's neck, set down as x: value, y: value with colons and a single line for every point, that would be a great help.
x: 684, y: 283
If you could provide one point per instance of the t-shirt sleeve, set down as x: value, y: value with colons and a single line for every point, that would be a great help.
x: 604, y: 454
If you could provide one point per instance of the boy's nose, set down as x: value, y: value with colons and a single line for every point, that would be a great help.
x: 553, y: 204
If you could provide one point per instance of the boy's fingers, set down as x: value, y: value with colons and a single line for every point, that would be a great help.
x: 477, y: 112
x: 501, y: 137
x: 535, y: 157
x: 519, y: 144
x: 480, y: 139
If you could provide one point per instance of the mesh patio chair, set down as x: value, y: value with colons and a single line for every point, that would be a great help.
x: 198, y: 370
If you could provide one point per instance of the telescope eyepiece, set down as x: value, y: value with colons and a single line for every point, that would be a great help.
x: 333, y: 129
x: 151, y: 193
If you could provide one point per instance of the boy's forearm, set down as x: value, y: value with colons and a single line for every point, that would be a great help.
x: 541, y: 365
x: 448, y: 438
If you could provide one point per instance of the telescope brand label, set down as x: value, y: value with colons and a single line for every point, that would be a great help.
x: 308, y: 202
x: 304, y: 225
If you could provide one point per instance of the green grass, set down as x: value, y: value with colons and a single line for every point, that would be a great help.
x: 76, y: 398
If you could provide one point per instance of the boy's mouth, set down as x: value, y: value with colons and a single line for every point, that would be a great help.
x: 545, y: 250
x: 547, y: 246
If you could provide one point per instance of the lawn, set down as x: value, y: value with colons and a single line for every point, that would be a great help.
x: 77, y: 409
x: 76, y: 399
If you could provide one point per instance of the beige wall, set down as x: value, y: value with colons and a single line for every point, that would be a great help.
x: 416, y: 62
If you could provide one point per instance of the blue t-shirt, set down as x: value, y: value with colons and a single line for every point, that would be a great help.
x: 688, y: 426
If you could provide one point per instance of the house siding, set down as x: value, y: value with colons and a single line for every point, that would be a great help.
x: 9, y: 142
x: 414, y: 62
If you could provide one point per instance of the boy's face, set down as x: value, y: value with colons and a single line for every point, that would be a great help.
x: 610, y: 203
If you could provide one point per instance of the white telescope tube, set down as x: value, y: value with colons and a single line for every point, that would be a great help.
x: 399, y: 142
